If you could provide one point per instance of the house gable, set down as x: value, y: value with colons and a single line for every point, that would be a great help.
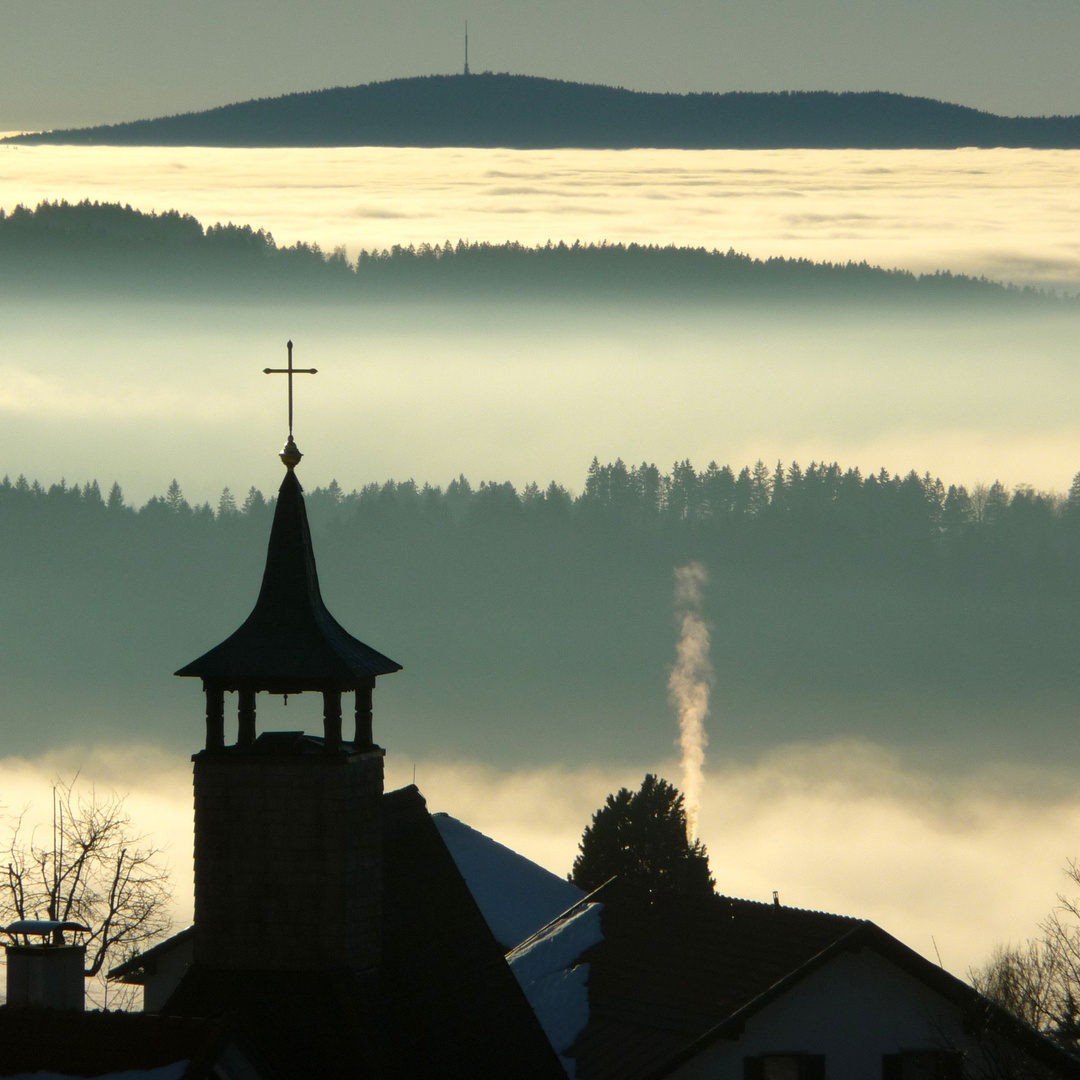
x: 852, y: 1010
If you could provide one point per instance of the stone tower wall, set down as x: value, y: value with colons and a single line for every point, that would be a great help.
x: 288, y: 860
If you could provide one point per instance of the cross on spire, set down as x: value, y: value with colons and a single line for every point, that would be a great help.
x: 290, y: 371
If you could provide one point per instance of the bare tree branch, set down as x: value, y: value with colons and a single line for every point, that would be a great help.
x: 1039, y: 981
x: 96, y: 870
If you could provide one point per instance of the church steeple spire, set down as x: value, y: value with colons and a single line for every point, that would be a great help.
x: 288, y: 828
x: 290, y: 642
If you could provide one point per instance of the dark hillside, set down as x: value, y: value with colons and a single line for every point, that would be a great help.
x: 533, y: 113
x: 93, y: 248
x: 538, y: 626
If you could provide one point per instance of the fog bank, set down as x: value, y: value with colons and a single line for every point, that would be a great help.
x: 962, y: 859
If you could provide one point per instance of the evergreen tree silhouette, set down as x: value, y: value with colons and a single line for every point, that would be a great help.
x: 226, y: 503
x: 640, y: 838
x: 174, y: 498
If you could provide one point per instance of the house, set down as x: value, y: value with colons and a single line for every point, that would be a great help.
x: 727, y: 989
x: 158, y: 970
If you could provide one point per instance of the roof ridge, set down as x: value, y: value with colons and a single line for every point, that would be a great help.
x: 774, y: 905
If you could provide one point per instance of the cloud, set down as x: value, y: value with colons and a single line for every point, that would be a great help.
x: 26, y: 393
x: 988, y: 212
x: 965, y: 861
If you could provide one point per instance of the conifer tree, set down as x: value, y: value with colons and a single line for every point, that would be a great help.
x: 226, y: 503
x: 640, y: 838
x: 1072, y: 502
x: 175, y: 498
x: 254, y: 501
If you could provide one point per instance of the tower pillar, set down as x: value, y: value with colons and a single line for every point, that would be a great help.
x: 215, y: 718
x: 364, y: 736
x: 245, y: 715
x: 332, y: 719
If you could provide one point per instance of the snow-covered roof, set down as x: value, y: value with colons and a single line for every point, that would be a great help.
x: 555, y: 982
x: 44, y: 926
x: 516, y: 896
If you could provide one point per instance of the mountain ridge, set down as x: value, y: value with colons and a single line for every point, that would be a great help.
x: 529, y: 112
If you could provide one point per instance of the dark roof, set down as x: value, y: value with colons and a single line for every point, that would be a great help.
x: 670, y: 979
x: 444, y: 1002
x: 290, y: 642
x: 665, y: 974
x: 97, y: 1043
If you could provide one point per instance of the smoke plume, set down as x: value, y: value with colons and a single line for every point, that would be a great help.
x: 688, y: 686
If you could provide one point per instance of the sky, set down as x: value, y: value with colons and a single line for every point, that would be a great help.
x: 73, y: 62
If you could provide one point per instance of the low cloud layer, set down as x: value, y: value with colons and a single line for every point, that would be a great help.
x: 962, y: 862
x: 923, y: 210
x: 940, y: 393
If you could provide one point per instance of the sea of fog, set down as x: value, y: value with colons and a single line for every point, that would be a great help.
x: 1008, y: 214
x: 951, y: 865
x: 145, y: 392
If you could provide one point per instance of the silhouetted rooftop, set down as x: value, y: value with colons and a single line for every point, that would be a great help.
x: 290, y: 642
x: 444, y: 1002
x: 61, y: 1042
x: 667, y: 980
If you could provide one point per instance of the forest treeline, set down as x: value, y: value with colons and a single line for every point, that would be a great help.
x: 537, y: 624
x: 526, y: 112
x: 821, y: 513
x: 92, y: 246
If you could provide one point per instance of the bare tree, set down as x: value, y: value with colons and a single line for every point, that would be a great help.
x: 1025, y: 979
x: 1039, y: 981
x: 91, y: 867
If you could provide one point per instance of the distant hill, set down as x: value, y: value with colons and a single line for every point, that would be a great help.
x: 92, y: 247
x: 533, y: 113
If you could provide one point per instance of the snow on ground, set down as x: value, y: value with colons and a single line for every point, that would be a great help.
x: 516, y: 896
x: 553, y: 980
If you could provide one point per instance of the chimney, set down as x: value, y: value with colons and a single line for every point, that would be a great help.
x: 45, y: 976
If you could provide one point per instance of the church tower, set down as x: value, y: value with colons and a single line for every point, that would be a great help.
x: 288, y: 856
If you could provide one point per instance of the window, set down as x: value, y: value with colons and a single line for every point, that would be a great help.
x: 923, y: 1065
x: 784, y: 1067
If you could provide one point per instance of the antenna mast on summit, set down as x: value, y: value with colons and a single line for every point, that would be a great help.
x: 466, y: 46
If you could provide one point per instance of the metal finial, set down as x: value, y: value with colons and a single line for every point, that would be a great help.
x: 290, y: 455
